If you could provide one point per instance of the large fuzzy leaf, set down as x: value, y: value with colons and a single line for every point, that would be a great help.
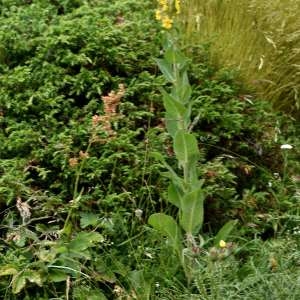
x: 85, y: 240
x: 166, y: 68
x: 174, y: 194
x: 176, y: 114
x: 18, y: 283
x: 175, y: 58
x: 182, y: 91
x: 186, y: 148
x: 168, y: 227
x: 191, y: 212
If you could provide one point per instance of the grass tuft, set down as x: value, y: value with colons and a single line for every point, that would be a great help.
x: 259, y: 38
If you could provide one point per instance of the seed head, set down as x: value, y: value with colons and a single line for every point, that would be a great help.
x: 73, y: 162
x: 96, y: 119
x: 83, y: 155
x: 24, y: 209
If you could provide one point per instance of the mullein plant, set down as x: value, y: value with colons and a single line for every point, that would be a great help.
x: 185, y: 189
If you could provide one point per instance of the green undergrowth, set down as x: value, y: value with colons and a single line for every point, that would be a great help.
x: 76, y: 190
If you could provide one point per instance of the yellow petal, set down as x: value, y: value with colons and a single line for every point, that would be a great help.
x: 222, y: 244
x: 177, y: 6
x: 158, y: 15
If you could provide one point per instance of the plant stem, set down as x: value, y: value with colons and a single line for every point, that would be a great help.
x: 75, y: 191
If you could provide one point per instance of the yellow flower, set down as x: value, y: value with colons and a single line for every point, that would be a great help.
x: 163, y: 2
x: 165, y: 7
x: 158, y: 15
x: 222, y: 244
x: 177, y: 6
x: 167, y: 22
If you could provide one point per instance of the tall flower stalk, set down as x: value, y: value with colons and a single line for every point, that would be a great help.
x: 165, y: 12
x: 185, y: 189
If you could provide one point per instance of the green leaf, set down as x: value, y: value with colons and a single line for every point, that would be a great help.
x: 186, y: 148
x: 19, y: 280
x: 47, y: 255
x: 88, y: 219
x: 107, y: 276
x: 85, y: 240
x: 18, y: 283
x: 8, y: 270
x: 174, y: 194
x: 33, y: 277
x: 173, y: 107
x: 225, y: 231
x: 174, y: 57
x: 141, y: 285
x: 168, y: 227
x: 166, y: 68
x: 176, y: 114
x: 57, y: 276
x: 172, y: 125
x: 192, y: 212
x: 182, y: 91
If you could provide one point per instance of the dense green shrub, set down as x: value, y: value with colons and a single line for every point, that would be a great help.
x: 57, y: 62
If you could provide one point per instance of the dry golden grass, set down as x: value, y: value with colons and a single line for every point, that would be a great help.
x: 260, y: 38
